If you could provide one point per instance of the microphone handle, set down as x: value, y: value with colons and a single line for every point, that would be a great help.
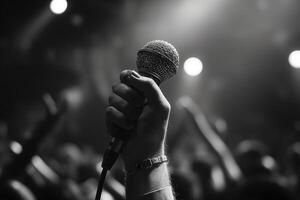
x: 112, y: 152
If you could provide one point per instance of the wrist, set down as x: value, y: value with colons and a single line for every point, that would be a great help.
x: 147, y: 164
x: 132, y: 161
x: 147, y: 181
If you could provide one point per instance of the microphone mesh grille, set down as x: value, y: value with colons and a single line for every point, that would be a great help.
x: 158, y: 59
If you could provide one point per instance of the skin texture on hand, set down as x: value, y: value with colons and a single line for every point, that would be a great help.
x: 139, y: 112
x: 138, y: 107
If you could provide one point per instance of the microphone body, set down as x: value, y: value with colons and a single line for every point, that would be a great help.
x: 158, y: 60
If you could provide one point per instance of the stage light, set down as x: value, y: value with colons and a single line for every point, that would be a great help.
x: 16, y: 147
x: 294, y: 59
x: 74, y: 97
x: 58, y: 6
x: 193, y: 66
x: 268, y: 162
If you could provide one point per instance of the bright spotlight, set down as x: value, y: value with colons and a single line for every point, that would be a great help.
x: 193, y: 66
x: 16, y: 147
x: 58, y: 6
x: 294, y: 59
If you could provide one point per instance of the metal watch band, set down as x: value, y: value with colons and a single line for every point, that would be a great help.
x: 151, y: 162
x: 148, y: 163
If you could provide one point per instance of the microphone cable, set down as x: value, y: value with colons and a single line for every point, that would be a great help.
x: 111, y: 154
x: 101, y: 184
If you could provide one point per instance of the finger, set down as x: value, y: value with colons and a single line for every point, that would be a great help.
x: 125, y: 74
x: 145, y: 85
x: 116, y: 117
x: 129, y: 94
x: 131, y: 111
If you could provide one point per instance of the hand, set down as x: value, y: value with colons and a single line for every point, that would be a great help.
x: 139, y: 108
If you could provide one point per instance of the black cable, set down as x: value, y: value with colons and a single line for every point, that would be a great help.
x: 101, y: 184
x: 109, y: 158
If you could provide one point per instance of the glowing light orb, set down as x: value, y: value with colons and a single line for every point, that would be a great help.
x: 294, y: 59
x: 58, y: 6
x: 193, y: 66
x: 74, y: 97
x: 16, y: 147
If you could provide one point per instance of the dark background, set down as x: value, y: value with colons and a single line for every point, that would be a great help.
x: 247, y: 87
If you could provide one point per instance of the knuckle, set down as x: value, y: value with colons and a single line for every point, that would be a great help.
x: 114, y: 85
x: 165, y: 108
x: 124, y: 74
x: 122, y: 88
x: 149, y: 81
x: 119, y: 87
x: 114, y: 100
x: 109, y: 110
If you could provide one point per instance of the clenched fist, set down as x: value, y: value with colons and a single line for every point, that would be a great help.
x: 138, y: 112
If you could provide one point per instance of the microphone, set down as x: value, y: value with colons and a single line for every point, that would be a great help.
x: 158, y: 60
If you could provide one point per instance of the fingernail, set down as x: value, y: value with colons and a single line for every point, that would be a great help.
x: 135, y: 74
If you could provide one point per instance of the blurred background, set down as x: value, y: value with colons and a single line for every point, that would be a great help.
x: 239, y: 65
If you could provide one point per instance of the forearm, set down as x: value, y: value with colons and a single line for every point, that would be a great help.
x: 222, y: 152
x: 149, y: 184
x: 214, y: 142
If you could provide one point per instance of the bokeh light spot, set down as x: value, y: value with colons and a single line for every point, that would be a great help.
x: 193, y: 66
x: 294, y: 59
x: 58, y: 6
